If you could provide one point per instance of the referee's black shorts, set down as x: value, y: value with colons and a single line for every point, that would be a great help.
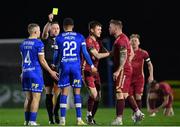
x: 48, y: 80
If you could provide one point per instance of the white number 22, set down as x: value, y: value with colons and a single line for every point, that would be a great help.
x: 69, y: 48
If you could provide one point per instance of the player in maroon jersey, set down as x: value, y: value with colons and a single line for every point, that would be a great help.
x: 97, y: 51
x: 138, y: 80
x: 122, y: 52
x: 160, y: 95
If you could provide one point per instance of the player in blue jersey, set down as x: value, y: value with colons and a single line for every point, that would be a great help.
x: 70, y: 44
x: 32, y: 51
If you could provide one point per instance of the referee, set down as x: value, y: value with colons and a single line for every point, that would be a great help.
x: 50, y: 31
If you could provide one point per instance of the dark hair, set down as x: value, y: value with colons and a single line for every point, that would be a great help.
x: 54, y: 22
x: 134, y: 36
x: 153, y: 83
x: 116, y: 22
x: 93, y: 24
x: 68, y: 21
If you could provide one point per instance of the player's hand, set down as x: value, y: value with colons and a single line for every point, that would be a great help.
x: 111, y: 54
x: 54, y: 68
x: 50, y: 17
x: 94, y: 70
x: 115, y: 75
x: 55, y: 75
x: 150, y: 79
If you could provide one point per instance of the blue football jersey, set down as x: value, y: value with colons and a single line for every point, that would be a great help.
x: 69, y: 46
x: 69, y: 50
x: 31, y: 69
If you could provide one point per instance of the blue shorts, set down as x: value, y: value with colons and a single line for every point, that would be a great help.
x: 70, y: 74
x: 33, y: 84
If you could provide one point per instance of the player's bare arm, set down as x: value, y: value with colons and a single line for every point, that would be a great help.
x: 131, y: 54
x: 122, y: 60
x: 46, y: 67
x: 104, y: 49
x: 165, y: 102
x: 147, y: 103
x: 99, y: 55
x: 150, y: 68
x: 45, y: 33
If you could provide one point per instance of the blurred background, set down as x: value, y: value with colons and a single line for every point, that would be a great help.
x: 156, y: 22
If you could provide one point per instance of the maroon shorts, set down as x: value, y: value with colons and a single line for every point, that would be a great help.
x: 123, y: 82
x: 92, y: 80
x: 137, y: 86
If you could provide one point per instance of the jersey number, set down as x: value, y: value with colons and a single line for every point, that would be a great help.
x: 69, y: 48
x: 27, y: 58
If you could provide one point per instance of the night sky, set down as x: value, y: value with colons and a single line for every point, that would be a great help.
x: 157, y: 22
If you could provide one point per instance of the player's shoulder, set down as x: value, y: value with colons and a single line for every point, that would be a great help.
x: 39, y: 41
x: 143, y: 50
x: 79, y: 35
x: 89, y: 39
x: 60, y: 35
x: 123, y: 38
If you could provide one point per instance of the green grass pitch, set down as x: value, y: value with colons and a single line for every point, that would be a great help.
x: 104, y: 116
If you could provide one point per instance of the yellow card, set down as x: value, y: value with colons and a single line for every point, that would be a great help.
x: 55, y: 11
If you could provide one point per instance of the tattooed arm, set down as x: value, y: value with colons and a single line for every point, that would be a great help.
x: 122, y: 60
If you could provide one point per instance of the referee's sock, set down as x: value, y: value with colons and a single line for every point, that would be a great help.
x: 49, y: 106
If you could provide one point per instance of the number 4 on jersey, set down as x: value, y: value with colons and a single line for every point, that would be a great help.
x: 27, y: 58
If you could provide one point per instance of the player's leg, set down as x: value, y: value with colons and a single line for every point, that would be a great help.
x: 28, y: 98
x: 120, y: 105
x: 168, y: 109
x: 63, y: 84
x: 120, y: 101
x: 56, y: 98
x: 137, y: 115
x: 77, y: 84
x: 139, y: 88
x: 70, y: 98
x: 152, y: 100
x: 63, y: 104
x: 98, y: 98
x: 90, y: 83
x: 130, y: 97
x: 48, y: 81
x: 27, y: 105
x: 78, y: 105
x: 138, y: 98
x: 90, y: 104
x: 34, y: 107
x: 49, y: 103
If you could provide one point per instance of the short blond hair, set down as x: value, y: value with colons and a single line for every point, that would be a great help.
x: 31, y: 27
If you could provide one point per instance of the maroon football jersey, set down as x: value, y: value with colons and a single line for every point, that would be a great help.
x: 122, y: 42
x: 165, y: 88
x: 91, y: 44
x: 140, y: 56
